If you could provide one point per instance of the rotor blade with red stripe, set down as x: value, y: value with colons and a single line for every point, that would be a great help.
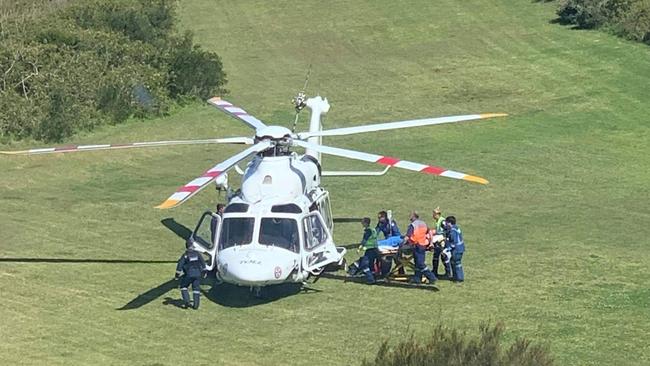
x: 236, y: 112
x: 77, y: 148
x: 389, y: 161
x: 395, y: 125
x: 190, y: 189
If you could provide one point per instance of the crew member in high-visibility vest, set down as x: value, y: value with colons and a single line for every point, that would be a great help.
x: 457, y: 244
x: 439, y: 250
x: 369, y: 244
x: 417, y: 236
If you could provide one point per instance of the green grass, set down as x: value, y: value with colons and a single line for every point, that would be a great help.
x: 557, y: 243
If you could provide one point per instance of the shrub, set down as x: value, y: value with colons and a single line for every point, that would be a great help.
x: 635, y: 24
x: 143, y: 20
x: 97, y: 62
x: 589, y: 14
x: 626, y: 18
x: 185, y: 61
x: 449, y: 347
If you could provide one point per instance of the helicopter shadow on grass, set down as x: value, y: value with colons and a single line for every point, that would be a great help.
x: 177, y: 228
x: 223, y: 294
x: 174, y: 302
x: 152, y: 294
x: 241, y: 297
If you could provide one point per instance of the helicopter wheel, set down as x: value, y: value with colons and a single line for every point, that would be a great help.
x: 217, y: 279
x: 258, y: 291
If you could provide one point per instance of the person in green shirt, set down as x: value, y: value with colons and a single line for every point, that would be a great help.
x: 438, y: 249
x: 439, y: 220
x: 367, y: 261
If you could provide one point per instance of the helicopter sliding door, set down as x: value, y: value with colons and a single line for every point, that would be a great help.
x: 318, y: 244
x: 206, y: 236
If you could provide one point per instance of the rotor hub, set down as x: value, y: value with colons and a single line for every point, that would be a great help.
x: 273, y: 133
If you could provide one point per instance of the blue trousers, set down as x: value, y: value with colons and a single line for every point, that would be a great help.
x: 457, y: 266
x: 196, y: 290
x: 437, y: 251
x: 367, y: 262
x: 419, y: 254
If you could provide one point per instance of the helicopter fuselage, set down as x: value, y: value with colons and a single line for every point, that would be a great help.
x: 277, y: 228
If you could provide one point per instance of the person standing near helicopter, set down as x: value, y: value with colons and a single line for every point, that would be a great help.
x: 417, y: 237
x: 457, y: 244
x: 367, y: 261
x: 189, y: 269
x: 439, y: 249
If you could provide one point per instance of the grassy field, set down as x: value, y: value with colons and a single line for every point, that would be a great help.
x: 558, y: 244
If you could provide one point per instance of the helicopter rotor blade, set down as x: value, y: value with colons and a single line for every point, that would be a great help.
x: 236, y: 112
x: 190, y: 189
x: 236, y: 140
x: 389, y: 161
x: 78, y: 148
x: 400, y: 124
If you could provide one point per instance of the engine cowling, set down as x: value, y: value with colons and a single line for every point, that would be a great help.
x: 283, y: 177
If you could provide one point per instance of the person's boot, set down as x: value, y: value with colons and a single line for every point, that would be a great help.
x: 353, y: 269
x: 197, y: 299
x: 186, y: 298
x: 370, y: 278
x: 416, y: 279
x: 432, y: 278
x: 460, y: 275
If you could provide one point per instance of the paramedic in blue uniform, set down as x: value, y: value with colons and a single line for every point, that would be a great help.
x: 392, y: 238
x: 389, y: 228
x: 190, y: 269
x: 455, y: 240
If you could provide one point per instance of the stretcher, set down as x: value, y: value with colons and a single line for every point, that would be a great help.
x: 391, y: 253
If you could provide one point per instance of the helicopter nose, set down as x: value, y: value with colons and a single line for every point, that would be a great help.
x: 255, y: 267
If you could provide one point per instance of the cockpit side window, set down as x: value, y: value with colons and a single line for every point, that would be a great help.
x: 315, y: 233
x: 325, y: 211
x: 236, y: 231
x: 279, y: 232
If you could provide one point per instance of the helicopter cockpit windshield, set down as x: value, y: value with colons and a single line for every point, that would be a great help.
x: 279, y: 232
x: 236, y: 231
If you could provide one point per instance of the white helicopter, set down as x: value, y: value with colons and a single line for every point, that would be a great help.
x: 277, y: 227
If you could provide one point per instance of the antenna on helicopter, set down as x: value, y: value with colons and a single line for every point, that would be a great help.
x: 299, y: 100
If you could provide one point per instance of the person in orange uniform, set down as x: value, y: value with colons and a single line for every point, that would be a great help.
x: 417, y: 237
